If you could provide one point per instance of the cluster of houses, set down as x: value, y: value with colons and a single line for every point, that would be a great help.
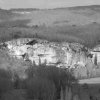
x: 68, y: 55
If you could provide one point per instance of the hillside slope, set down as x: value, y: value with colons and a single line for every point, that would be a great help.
x: 75, y: 24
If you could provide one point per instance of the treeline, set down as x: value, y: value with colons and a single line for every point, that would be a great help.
x: 42, y: 83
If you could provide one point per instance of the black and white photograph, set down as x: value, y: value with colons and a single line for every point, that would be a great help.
x: 49, y: 49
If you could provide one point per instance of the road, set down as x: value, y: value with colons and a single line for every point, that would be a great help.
x: 90, y: 81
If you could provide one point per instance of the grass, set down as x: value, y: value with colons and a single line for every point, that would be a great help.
x: 81, y: 34
x: 71, y: 25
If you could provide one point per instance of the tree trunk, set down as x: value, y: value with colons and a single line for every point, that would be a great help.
x: 62, y: 94
x: 68, y: 93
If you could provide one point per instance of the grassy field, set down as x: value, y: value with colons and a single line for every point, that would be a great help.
x: 78, y: 24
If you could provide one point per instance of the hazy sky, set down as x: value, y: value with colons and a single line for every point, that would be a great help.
x: 6, y: 4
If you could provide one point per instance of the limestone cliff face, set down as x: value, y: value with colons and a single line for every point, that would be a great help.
x: 75, y: 56
x: 52, y: 53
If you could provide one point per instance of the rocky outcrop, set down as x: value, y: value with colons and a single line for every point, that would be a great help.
x: 64, y: 54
